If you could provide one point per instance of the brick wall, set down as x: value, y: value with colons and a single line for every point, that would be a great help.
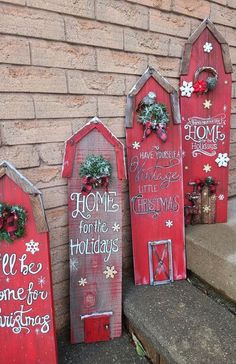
x: 64, y: 61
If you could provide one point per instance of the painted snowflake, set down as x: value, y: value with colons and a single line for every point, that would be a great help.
x: 206, y: 209
x: 221, y: 197
x: 41, y: 281
x: 207, y: 47
x: 187, y: 89
x: 116, y: 227
x: 32, y: 246
x: 222, y: 160
x: 207, y: 168
x: 74, y: 264
x: 136, y: 145
x: 110, y: 272
x: 169, y: 223
x: 207, y: 104
x: 83, y: 281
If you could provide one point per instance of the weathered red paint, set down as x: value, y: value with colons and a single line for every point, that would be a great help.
x: 20, y: 342
x: 156, y: 200
x: 93, y: 243
x: 206, y: 132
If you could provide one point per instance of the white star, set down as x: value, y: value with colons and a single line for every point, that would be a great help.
x: 206, y: 209
x: 207, y: 47
x: 32, y: 246
x: 187, y: 89
x: 207, y: 168
x: 207, y: 104
x: 116, y: 227
x: 7, y: 279
x: 110, y: 272
x: 222, y: 160
x: 74, y: 264
x: 169, y: 223
x: 136, y: 145
x: 221, y: 197
x: 83, y: 281
x: 41, y: 281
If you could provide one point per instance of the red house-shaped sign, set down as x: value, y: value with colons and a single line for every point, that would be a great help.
x: 27, y: 333
x: 205, y: 88
x: 94, y: 166
x: 153, y: 135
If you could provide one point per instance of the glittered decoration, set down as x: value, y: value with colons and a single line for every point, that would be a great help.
x: 187, y: 89
x: 207, y: 47
x: 222, y: 160
x: 32, y: 247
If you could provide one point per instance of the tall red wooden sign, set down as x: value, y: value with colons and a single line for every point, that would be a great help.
x: 27, y: 332
x: 205, y: 87
x: 155, y: 180
x: 95, y: 232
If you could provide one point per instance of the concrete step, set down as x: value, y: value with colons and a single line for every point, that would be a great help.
x: 211, y: 252
x: 178, y: 324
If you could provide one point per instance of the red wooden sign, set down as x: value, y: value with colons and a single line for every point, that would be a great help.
x: 27, y: 332
x: 155, y: 180
x: 95, y: 232
x: 205, y: 87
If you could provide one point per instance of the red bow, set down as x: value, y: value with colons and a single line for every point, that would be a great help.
x: 9, y: 222
x: 147, y: 130
x: 90, y: 182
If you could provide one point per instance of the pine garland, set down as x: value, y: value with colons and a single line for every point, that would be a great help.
x: 95, y: 166
x: 12, y: 222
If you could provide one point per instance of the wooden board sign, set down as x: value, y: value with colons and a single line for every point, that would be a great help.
x: 205, y: 88
x: 95, y: 232
x: 154, y: 157
x: 27, y: 332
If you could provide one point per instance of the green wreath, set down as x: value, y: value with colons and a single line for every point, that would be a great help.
x: 95, y: 172
x: 153, y: 116
x: 12, y: 222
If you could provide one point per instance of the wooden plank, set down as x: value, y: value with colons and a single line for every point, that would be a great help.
x: 206, y: 120
x: 27, y: 330
x: 95, y: 239
x: 156, y: 195
x: 39, y: 215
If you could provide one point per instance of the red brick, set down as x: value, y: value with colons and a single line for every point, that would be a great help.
x: 58, y: 106
x: 122, y: 12
x: 21, y: 156
x: 31, y: 22
x: 57, y: 54
x: 146, y: 42
x: 91, y: 32
x: 111, y: 106
x: 79, y: 7
x: 14, y: 50
x: 80, y: 82
x: 121, y: 62
x: 32, y: 79
x: 35, y: 131
x: 16, y: 106
x: 167, y: 23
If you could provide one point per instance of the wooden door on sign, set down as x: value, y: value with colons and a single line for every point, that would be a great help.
x: 160, y: 262
x: 96, y: 328
x: 154, y: 154
x: 95, y: 229
x: 205, y: 87
x: 27, y: 331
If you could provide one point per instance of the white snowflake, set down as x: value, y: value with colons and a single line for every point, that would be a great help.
x: 207, y: 168
x: 187, y: 89
x: 169, y: 223
x: 116, y: 227
x: 41, y: 281
x: 222, y: 160
x: 206, y: 209
x: 83, y: 281
x: 74, y: 264
x: 207, y: 104
x: 110, y: 272
x: 136, y: 145
x: 7, y: 279
x: 221, y: 197
x: 207, y: 47
x: 32, y: 246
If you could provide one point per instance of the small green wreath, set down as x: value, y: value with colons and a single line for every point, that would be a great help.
x: 12, y: 222
x: 96, y: 172
x: 153, y: 116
